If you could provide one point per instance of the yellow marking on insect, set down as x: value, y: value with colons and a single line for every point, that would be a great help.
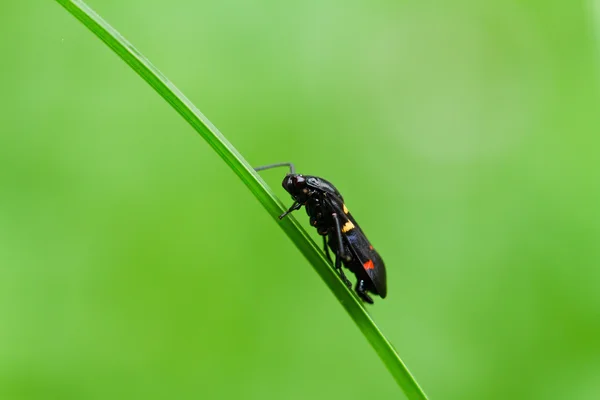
x: 345, y: 209
x: 348, y: 226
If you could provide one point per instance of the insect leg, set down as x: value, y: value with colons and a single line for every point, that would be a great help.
x: 326, y: 248
x: 338, y: 266
x: 338, y: 233
x: 340, y: 253
x: 362, y: 292
x: 294, y: 207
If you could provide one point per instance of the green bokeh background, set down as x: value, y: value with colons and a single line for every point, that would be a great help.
x: 135, y: 264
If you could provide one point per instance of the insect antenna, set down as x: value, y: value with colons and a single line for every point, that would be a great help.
x: 283, y: 164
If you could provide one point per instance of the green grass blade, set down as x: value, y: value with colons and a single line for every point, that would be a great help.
x: 253, y: 181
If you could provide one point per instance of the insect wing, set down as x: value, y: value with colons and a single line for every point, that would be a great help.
x: 369, y: 258
x: 361, y: 248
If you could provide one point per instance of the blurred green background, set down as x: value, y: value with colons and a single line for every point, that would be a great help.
x: 135, y: 264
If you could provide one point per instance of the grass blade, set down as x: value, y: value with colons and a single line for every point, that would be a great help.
x: 254, y: 182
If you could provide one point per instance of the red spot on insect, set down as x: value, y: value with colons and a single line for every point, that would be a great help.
x: 371, y: 247
x: 369, y: 265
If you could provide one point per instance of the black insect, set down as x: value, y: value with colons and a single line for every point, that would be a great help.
x: 328, y: 213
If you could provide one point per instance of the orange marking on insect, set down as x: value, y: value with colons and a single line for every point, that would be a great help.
x: 369, y: 265
x: 370, y: 247
x: 348, y: 226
